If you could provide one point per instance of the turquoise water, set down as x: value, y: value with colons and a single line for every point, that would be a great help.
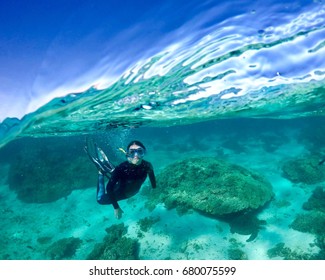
x: 248, y: 90
x: 49, y: 208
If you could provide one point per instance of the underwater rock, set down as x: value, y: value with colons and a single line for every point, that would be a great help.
x: 312, y: 222
x: 236, y: 254
x: 285, y: 253
x: 320, y: 242
x: 115, y: 246
x: 63, y: 249
x: 210, y: 186
x: 146, y: 223
x: 44, y: 170
x: 316, y: 200
x: 304, y: 170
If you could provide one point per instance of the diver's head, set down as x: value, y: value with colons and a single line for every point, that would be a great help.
x: 135, y: 152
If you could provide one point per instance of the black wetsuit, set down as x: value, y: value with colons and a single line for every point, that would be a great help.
x: 125, y: 181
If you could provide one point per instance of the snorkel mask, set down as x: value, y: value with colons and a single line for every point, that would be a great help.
x: 139, y: 152
x: 135, y: 152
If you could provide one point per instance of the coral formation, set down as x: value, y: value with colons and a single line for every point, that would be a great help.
x: 236, y: 254
x: 210, y: 186
x: 313, y: 221
x: 115, y: 246
x: 316, y: 201
x: 235, y: 250
x: 146, y: 223
x: 304, y: 170
x: 49, y: 170
x: 285, y: 253
x: 63, y: 249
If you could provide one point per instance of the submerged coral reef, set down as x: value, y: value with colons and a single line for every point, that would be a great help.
x: 115, y: 246
x: 305, y: 170
x: 45, y: 170
x: 146, y: 223
x: 63, y: 249
x: 210, y: 186
x: 316, y: 200
x: 313, y: 220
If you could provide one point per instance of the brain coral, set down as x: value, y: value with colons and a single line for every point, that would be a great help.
x: 210, y: 186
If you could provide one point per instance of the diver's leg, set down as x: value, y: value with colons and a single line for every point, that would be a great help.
x: 100, y: 186
x: 102, y: 197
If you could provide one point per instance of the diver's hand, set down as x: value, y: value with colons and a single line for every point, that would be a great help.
x: 118, y: 213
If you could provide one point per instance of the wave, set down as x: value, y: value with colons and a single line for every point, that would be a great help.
x: 265, y: 64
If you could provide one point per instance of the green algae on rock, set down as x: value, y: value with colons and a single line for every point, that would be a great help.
x: 63, y: 249
x: 316, y: 200
x: 146, y: 223
x: 312, y: 222
x: 237, y: 254
x: 115, y: 246
x: 45, y: 170
x: 280, y: 251
x: 304, y: 170
x: 210, y: 186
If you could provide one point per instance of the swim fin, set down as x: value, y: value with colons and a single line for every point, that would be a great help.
x: 98, y: 157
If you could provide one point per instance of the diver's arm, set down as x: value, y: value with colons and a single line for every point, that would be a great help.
x: 152, y: 176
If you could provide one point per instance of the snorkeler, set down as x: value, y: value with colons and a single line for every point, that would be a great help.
x: 125, y: 179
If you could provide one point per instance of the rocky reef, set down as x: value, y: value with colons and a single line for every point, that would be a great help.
x: 115, y: 246
x: 285, y: 253
x: 44, y: 170
x: 63, y: 249
x: 210, y: 186
x: 305, y: 170
x: 313, y: 220
x: 316, y: 200
x: 146, y: 223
